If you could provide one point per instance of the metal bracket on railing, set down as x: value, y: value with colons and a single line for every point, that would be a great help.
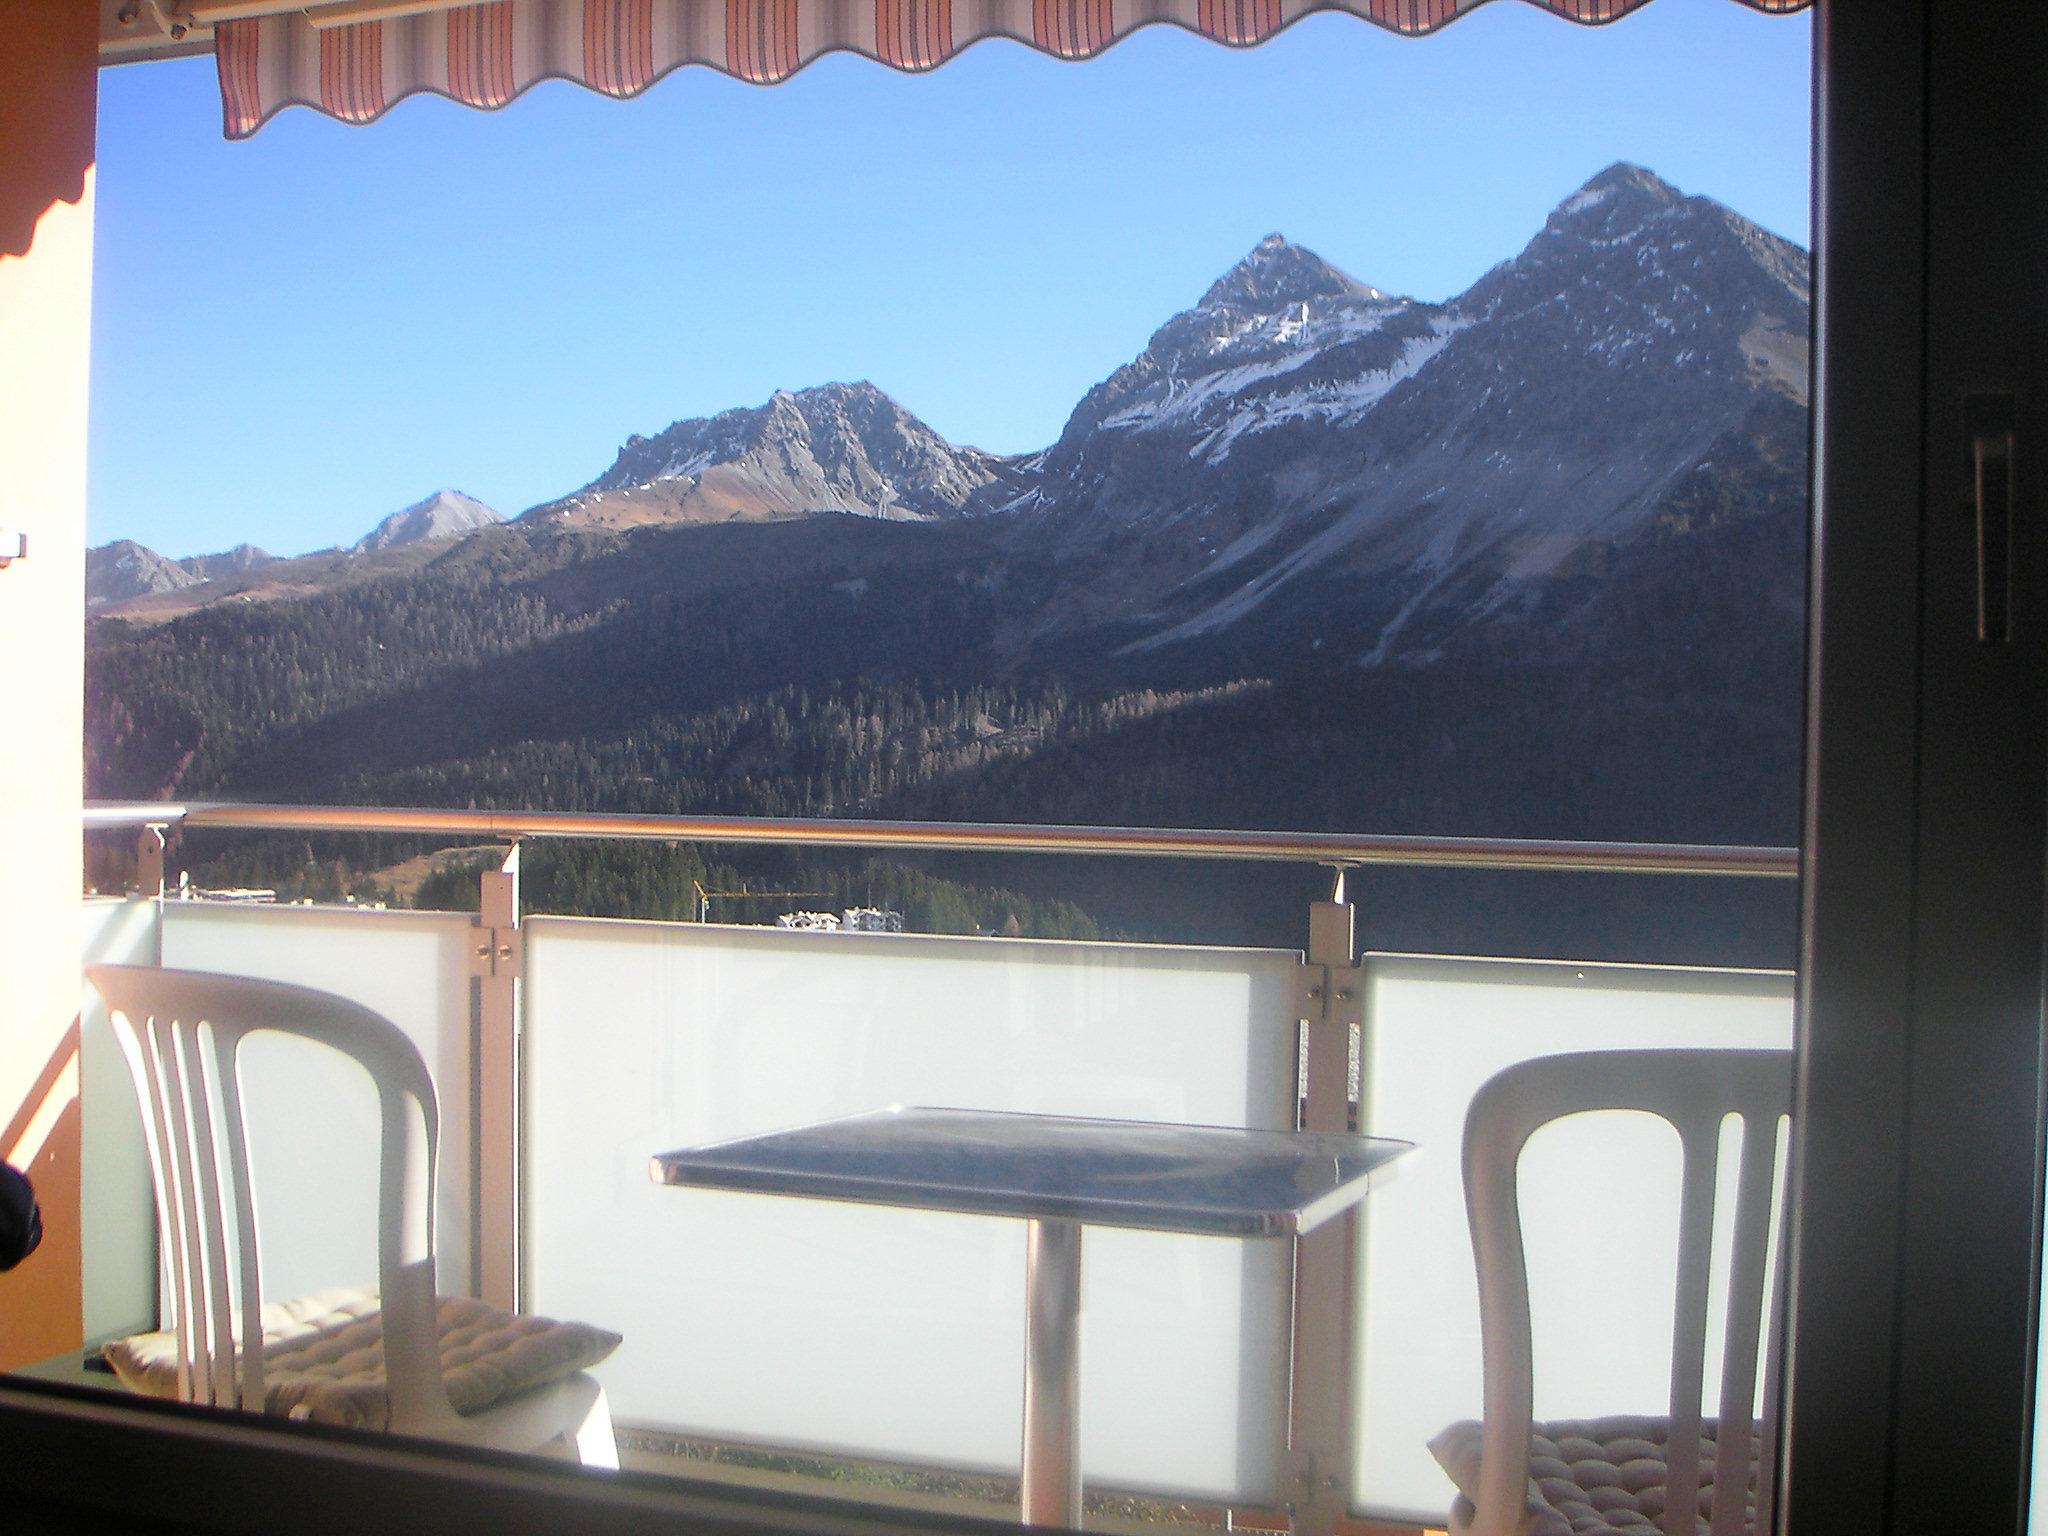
x: 1329, y: 997
x: 1310, y: 1506
x: 1330, y: 994
x: 496, y: 951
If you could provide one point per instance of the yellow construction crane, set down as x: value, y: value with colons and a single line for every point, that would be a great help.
x: 745, y: 894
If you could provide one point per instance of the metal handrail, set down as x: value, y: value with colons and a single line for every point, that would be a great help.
x: 1335, y: 848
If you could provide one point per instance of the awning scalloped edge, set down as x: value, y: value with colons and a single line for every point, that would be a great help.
x: 484, y: 55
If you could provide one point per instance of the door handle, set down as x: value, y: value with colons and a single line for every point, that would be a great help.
x: 1989, y: 420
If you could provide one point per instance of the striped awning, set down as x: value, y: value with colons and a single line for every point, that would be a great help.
x: 484, y: 55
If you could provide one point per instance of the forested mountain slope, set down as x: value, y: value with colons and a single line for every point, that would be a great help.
x: 1528, y: 562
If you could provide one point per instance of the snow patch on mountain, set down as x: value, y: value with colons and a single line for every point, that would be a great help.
x: 1580, y: 201
x: 1180, y: 397
x: 1340, y: 402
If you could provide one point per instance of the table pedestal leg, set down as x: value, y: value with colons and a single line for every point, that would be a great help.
x: 1052, y: 1373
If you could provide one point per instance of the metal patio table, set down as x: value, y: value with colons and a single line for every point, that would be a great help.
x: 1058, y: 1175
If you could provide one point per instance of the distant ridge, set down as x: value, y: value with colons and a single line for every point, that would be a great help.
x: 243, y: 557
x: 124, y: 569
x: 124, y: 576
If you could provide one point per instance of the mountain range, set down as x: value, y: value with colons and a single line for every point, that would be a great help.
x: 122, y: 571
x: 1527, y: 561
x: 1442, y: 461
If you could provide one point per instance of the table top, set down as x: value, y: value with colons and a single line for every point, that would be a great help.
x: 1205, y: 1179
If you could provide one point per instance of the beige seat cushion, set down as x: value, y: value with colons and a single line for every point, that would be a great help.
x: 1592, y: 1477
x: 323, y: 1357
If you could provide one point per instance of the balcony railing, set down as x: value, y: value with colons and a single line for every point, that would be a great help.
x: 1333, y: 848
x: 1252, y: 1375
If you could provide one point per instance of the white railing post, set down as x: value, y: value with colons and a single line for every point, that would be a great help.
x: 495, y: 962
x: 1319, y: 1400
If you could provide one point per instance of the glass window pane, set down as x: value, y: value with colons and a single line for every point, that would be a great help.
x: 1470, y: 504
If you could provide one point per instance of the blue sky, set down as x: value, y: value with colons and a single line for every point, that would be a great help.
x: 300, y: 333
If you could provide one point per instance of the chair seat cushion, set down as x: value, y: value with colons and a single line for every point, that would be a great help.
x: 1592, y: 1477
x: 323, y: 1357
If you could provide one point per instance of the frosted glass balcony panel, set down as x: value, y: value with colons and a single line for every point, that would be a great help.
x: 1604, y: 1185
x: 312, y: 1114
x: 117, y: 1246
x: 872, y: 1331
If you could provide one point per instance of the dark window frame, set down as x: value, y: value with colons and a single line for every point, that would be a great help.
x: 1917, y: 1226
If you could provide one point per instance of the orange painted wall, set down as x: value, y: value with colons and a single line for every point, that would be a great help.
x: 48, y: 94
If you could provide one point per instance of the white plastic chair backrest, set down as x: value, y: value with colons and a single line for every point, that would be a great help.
x: 181, y: 1033
x: 1694, y: 1090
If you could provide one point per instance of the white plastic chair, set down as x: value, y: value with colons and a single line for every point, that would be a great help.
x: 181, y: 1032
x: 1694, y: 1090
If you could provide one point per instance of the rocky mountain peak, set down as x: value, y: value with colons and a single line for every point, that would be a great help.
x: 835, y: 391
x: 443, y: 515
x: 1278, y: 272
x: 1630, y: 211
x: 837, y: 447
x: 1282, y: 323
x: 124, y: 569
x: 1628, y: 270
x: 855, y: 407
x: 1619, y: 199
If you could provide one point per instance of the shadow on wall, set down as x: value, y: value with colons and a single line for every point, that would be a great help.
x: 47, y: 63
x: 40, y: 1300
x: 46, y: 124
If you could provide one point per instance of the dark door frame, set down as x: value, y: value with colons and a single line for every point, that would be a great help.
x: 1917, y: 1230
